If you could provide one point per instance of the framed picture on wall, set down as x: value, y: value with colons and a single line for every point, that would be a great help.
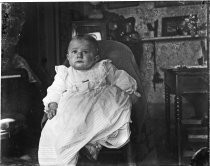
x: 170, y: 25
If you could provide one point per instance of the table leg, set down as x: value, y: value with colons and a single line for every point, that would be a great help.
x: 167, y: 114
x: 178, y: 117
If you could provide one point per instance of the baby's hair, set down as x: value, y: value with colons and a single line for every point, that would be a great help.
x: 88, y: 38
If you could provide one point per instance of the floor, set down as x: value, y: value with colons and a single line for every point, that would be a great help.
x: 161, y: 156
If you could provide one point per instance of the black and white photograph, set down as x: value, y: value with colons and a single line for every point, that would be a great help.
x: 105, y: 83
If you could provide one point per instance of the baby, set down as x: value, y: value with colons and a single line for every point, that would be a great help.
x: 88, y: 105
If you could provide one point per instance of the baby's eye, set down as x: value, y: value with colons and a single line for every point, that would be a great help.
x: 85, y: 52
x: 74, y: 51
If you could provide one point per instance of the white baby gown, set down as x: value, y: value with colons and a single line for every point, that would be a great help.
x: 93, y: 106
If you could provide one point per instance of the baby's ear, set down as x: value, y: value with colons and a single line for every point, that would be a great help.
x: 97, y: 58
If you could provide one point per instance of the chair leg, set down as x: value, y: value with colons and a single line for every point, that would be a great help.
x: 130, y: 155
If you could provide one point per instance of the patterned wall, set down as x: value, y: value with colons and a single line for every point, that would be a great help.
x: 170, y: 53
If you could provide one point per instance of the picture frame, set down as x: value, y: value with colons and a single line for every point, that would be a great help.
x: 170, y: 25
x: 116, y: 5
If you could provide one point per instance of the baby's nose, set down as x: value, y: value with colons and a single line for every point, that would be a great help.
x: 79, y: 54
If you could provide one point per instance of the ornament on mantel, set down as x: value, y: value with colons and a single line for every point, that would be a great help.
x: 192, y: 26
x: 153, y: 30
x: 130, y: 34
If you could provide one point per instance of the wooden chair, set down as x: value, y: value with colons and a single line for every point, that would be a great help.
x: 123, y: 58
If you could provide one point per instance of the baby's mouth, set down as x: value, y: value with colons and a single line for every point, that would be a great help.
x: 79, y: 61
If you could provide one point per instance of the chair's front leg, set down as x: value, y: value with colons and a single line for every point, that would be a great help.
x: 130, y: 155
x: 44, y: 120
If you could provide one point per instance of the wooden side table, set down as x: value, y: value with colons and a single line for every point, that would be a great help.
x: 179, y: 81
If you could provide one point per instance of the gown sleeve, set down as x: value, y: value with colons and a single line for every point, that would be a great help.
x: 57, y: 88
x: 121, y: 79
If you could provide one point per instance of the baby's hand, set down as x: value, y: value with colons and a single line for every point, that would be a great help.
x: 51, y: 112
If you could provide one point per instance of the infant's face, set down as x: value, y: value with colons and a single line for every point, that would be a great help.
x: 81, y: 54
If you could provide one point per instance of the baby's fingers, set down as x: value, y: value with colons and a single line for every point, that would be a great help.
x: 53, y: 112
x: 49, y: 115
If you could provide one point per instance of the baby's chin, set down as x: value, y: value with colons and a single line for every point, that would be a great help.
x: 82, y: 66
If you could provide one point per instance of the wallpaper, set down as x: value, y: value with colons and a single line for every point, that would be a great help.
x: 168, y: 53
